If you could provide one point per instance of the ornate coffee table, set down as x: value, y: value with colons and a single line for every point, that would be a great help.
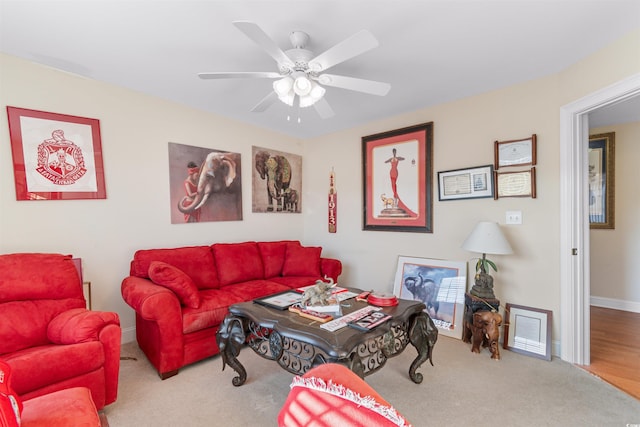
x: 298, y: 343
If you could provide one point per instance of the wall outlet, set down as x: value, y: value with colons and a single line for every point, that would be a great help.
x: 514, y: 217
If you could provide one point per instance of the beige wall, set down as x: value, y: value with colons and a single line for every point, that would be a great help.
x: 136, y: 129
x: 614, y: 253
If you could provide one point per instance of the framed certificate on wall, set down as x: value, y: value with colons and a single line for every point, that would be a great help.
x: 517, y: 152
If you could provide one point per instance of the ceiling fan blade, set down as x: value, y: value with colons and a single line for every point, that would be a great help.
x: 240, y: 75
x: 351, y: 47
x: 255, y: 33
x: 324, y: 109
x: 266, y: 102
x: 351, y: 83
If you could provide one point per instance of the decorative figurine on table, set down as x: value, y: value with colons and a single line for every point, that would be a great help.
x: 320, y: 294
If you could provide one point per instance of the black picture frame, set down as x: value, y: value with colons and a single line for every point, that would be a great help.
x: 281, y: 300
x: 467, y: 183
x: 397, y: 172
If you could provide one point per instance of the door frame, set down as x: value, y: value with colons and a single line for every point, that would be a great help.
x: 575, y: 288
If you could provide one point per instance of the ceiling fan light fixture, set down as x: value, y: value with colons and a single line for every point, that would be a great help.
x: 302, y: 86
x: 283, y: 86
x: 317, y: 91
x: 287, y: 98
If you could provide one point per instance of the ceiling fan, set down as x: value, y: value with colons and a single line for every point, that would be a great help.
x: 300, y: 78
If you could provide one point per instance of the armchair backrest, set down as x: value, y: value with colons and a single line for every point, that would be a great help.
x: 34, y: 288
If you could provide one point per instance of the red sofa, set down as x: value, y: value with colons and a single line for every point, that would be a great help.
x: 181, y: 295
x: 48, y: 337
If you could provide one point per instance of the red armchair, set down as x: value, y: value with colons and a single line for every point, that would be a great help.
x: 332, y: 395
x: 48, y: 337
x: 72, y: 407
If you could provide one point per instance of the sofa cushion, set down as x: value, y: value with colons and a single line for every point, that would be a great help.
x: 34, y: 317
x: 43, y: 366
x: 301, y: 261
x: 213, y: 308
x: 273, y: 254
x: 238, y: 262
x: 173, y: 278
x: 253, y: 289
x: 195, y: 261
x: 63, y: 408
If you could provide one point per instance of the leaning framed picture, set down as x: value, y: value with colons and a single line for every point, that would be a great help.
x: 470, y: 183
x: 528, y: 331
x: 602, y: 174
x: 55, y: 156
x: 439, y: 284
x: 517, y: 152
x: 398, y: 180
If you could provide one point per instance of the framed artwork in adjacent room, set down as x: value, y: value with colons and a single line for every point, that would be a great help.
x: 398, y: 180
x: 55, y: 156
x: 204, y: 184
x: 528, y: 331
x: 439, y: 284
x: 602, y: 184
x: 276, y: 181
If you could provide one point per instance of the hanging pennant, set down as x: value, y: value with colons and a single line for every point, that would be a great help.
x: 333, y: 203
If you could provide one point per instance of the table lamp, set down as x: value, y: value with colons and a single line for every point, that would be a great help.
x: 486, y: 238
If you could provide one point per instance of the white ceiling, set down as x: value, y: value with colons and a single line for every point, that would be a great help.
x: 431, y: 51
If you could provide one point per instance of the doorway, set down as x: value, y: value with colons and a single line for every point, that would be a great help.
x: 574, y: 226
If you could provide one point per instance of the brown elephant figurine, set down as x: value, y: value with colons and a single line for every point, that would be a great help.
x: 483, y: 327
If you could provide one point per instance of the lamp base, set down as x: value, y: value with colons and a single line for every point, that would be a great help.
x: 483, y: 287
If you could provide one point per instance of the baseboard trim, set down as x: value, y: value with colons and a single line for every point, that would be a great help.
x: 616, y: 304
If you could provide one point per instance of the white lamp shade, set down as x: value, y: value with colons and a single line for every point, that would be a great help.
x: 487, y: 238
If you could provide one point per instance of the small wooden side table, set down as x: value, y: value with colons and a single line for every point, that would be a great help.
x: 473, y: 303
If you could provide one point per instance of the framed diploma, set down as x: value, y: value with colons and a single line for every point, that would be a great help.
x: 471, y: 183
x: 515, y: 153
x: 516, y: 184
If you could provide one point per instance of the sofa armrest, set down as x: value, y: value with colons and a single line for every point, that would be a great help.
x: 331, y: 267
x: 159, y: 319
x: 79, y: 325
x: 151, y: 301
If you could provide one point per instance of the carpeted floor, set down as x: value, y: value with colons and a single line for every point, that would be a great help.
x: 461, y: 389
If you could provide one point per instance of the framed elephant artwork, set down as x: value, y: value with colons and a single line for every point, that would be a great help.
x: 204, y: 184
x: 439, y: 284
x: 276, y: 181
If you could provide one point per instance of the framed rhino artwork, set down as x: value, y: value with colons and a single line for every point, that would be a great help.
x: 204, y: 184
x: 276, y: 181
x: 439, y: 284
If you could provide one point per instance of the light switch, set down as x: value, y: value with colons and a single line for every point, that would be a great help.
x: 514, y: 217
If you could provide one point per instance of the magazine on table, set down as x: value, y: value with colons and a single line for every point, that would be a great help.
x: 369, y: 321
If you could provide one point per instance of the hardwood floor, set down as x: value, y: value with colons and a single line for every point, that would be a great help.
x: 615, y: 348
